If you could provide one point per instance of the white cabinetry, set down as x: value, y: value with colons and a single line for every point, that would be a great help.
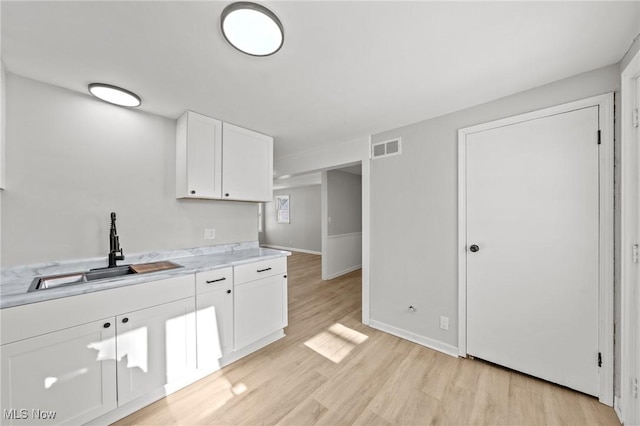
x: 99, y: 356
x: 216, y: 160
x: 155, y: 347
x: 67, y: 376
x: 198, y: 156
x: 247, y: 164
x: 61, y: 355
x: 260, y: 301
x: 214, y: 317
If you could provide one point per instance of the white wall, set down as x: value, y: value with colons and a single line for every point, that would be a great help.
x: 303, y: 231
x: 72, y: 159
x: 414, y: 210
x: 344, y: 202
x: 342, y: 223
x: 3, y: 91
x: 3, y: 121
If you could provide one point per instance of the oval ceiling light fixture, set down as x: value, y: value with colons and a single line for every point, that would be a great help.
x: 114, y: 95
x: 252, y: 28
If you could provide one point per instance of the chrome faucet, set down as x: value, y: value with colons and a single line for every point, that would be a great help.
x: 114, y: 244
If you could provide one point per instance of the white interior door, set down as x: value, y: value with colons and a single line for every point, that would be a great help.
x: 533, y: 213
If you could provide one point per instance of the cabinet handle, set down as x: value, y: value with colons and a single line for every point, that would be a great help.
x: 215, y: 281
x: 106, y: 325
x: 285, y: 276
x: 228, y: 291
x: 264, y: 270
x: 125, y: 320
x: 226, y: 194
x: 193, y: 192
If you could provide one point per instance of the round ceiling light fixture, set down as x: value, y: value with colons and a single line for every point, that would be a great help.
x: 252, y: 28
x: 114, y: 95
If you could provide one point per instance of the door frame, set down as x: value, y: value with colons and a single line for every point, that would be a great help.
x: 606, y: 190
x: 630, y: 211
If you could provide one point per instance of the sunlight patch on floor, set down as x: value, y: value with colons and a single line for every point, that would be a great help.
x: 239, y: 389
x: 336, y: 343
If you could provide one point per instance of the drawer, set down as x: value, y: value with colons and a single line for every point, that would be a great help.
x: 211, y: 280
x: 255, y: 271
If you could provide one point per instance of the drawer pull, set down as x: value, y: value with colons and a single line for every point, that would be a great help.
x: 264, y: 270
x: 215, y: 281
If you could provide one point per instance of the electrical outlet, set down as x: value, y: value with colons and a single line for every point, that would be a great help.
x: 444, y: 323
x: 209, y: 234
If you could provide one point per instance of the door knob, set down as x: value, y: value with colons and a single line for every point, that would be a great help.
x: 474, y: 248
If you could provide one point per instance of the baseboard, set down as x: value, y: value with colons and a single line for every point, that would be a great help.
x: 617, y: 407
x: 415, y: 338
x: 343, y: 272
x: 291, y: 249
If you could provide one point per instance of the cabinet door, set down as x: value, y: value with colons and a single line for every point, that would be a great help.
x: 67, y: 376
x: 247, y: 165
x: 155, y: 346
x: 260, y: 308
x: 198, y: 156
x: 214, y: 322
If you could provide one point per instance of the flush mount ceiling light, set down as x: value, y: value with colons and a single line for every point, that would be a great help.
x: 252, y: 28
x: 114, y: 95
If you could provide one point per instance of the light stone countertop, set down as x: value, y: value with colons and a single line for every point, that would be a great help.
x: 15, y: 281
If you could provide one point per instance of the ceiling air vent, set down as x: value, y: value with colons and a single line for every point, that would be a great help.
x: 386, y: 148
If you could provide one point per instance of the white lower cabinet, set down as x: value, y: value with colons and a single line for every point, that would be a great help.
x: 63, y: 377
x: 259, y: 309
x: 155, y: 346
x: 260, y: 305
x: 214, y: 317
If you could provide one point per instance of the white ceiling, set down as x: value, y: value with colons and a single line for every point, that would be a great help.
x: 347, y: 68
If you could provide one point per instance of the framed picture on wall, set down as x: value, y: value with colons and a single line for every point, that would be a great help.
x: 282, y: 208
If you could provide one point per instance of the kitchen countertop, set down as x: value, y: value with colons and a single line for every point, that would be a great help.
x: 15, y: 281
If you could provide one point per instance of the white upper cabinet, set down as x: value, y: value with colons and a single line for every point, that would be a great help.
x: 247, y: 164
x: 198, y: 156
x: 216, y: 160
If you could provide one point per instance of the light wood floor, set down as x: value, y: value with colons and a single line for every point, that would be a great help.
x: 333, y: 370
